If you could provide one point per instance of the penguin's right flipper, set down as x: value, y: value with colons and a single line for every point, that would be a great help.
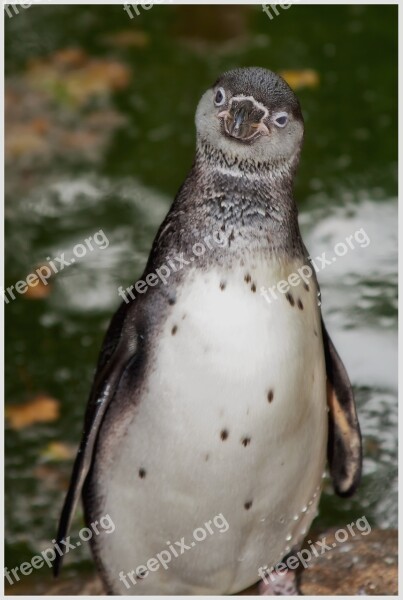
x: 119, y: 350
x: 344, y: 444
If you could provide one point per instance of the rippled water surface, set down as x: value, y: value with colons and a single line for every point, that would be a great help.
x: 86, y: 151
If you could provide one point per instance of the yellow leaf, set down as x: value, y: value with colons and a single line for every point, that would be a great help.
x: 21, y: 140
x: 77, y: 79
x: 38, y: 292
x: 57, y: 451
x: 127, y: 38
x: 40, y: 289
x: 70, y: 57
x: 40, y: 409
x: 301, y: 79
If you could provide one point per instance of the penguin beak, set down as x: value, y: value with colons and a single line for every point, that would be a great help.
x: 237, y: 122
x: 244, y: 121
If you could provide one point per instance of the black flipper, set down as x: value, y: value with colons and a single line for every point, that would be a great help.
x: 344, y: 444
x: 118, y: 351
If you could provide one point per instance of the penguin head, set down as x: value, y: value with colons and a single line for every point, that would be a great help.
x: 251, y: 114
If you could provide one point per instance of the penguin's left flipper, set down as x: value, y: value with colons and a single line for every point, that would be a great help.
x: 119, y: 351
x: 344, y: 444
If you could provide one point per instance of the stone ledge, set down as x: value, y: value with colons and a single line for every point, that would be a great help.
x: 363, y: 565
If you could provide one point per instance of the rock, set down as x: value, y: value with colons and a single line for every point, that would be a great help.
x: 361, y: 565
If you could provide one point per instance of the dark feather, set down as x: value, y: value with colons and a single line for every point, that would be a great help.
x: 344, y: 443
x: 119, y: 348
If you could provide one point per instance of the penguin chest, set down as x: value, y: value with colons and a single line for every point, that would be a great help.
x: 231, y: 429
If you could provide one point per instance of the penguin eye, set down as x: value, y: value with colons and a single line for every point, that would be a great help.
x: 219, y: 97
x: 281, y: 119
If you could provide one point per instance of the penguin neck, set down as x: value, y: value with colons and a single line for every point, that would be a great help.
x: 252, y: 202
x: 277, y: 173
x: 267, y: 184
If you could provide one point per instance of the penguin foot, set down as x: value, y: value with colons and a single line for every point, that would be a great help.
x: 279, y: 584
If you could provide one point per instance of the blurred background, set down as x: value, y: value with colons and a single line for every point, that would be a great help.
x: 100, y: 134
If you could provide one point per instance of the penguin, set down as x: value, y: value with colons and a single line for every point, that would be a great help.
x: 213, y: 401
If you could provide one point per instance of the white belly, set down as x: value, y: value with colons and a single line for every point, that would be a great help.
x: 233, y: 423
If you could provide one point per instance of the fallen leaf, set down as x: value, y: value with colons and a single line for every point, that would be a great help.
x: 41, y: 409
x: 70, y: 57
x: 107, y: 74
x: 77, y: 84
x: 38, y: 292
x: 26, y: 138
x: 127, y: 38
x: 21, y: 140
x: 57, y: 451
x: 81, y: 140
x: 100, y: 119
x: 300, y: 79
x: 40, y: 289
x: 51, y: 114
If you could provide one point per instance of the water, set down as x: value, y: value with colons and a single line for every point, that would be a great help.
x: 70, y: 175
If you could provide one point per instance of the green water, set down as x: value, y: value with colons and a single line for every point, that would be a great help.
x: 124, y: 184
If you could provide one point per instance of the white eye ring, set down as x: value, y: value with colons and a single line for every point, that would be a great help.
x: 280, y: 119
x: 219, y: 97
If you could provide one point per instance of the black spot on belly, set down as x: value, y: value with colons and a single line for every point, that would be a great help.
x: 174, y: 329
x: 222, y: 285
x: 207, y: 456
x: 246, y: 441
x: 248, y: 504
x: 172, y: 301
x: 142, y: 473
x: 306, y: 286
x: 300, y: 305
x: 224, y: 434
x: 270, y: 396
x: 253, y: 287
x: 248, y: 278
x: 290, y: 298
x: 315, y: 332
